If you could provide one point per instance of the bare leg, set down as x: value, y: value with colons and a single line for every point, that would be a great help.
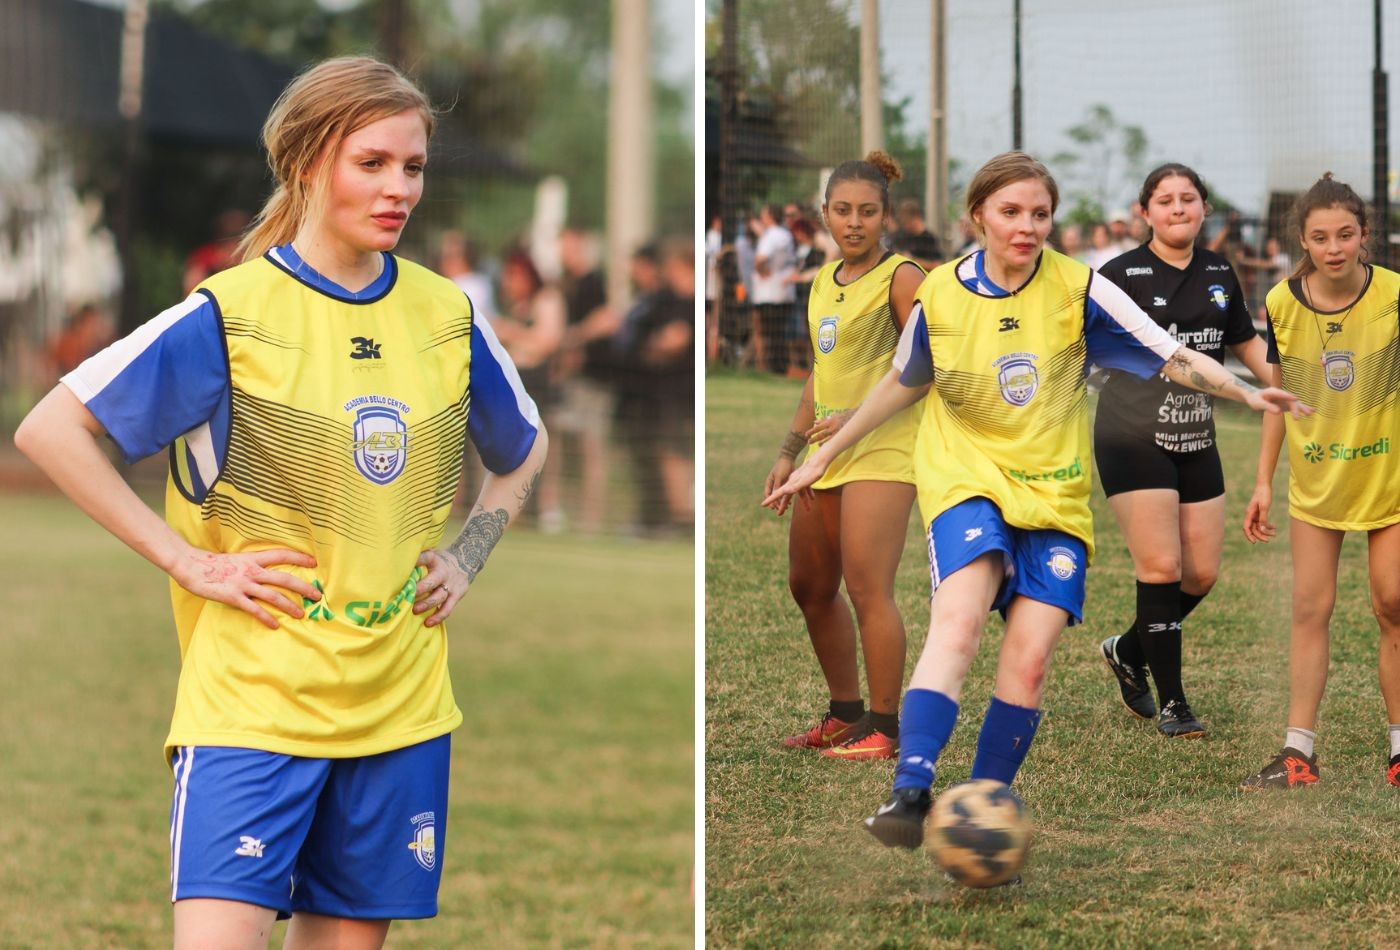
x: 1153, y: 532
x: 208, y: 924
x: 678, y: 473
x: 957, y: 614
x: 1384, y: 557
x: 1202, y: 540
x: 874, y: 524
x: 1032, y: 631
x: 1315, y: 554
x: 314, y: 932
x: 814, y: 577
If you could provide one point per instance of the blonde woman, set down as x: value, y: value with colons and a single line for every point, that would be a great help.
x: 313, y: 400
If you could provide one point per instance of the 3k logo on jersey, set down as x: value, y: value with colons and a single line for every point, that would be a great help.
x: 364, y: 348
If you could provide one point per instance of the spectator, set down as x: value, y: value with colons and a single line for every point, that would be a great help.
x: 1072, y: 242
x: 714, y: 285
x: 1119, y: 236
x: 530, y: 325
x: 773, y: 293
x: 913, y: 239
x: 84, y: 333
x: 656, y: 404
x: 584, y: 374
x: 219, y: 253
x: 1101, y: 249
x: 457, y: 262
x: 809, y: 260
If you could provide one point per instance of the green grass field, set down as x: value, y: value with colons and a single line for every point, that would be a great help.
x: 1140, y: 841
x: 571, y: 821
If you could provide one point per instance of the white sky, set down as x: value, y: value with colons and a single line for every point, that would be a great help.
x: 1255, y: 94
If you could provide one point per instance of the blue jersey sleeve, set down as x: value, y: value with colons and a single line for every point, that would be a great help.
x: 502, y: 419
x: 168, y: 377
x: 913, y: 356
x: 1120, y: 335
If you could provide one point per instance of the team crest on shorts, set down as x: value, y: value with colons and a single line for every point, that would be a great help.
x: 1338, y: 369
x: 1218, y: 296
x: 380, y: 443
x: 1062, y: 563
x: 826, y: 334
x: 424, y: 843
x: 1017, y: 377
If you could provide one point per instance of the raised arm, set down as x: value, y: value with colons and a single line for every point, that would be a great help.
x: 1200, y: 372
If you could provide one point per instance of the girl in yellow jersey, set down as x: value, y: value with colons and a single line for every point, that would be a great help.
x: 853, y: 524
x: 997, y: 349
x: 314, y: 401
x: 1334, y: 338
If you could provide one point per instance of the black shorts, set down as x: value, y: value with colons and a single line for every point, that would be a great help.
x: 1132, y: 464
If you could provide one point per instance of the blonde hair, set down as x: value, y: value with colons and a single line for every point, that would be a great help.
x: 314, y: 114
x: 1007, y: 169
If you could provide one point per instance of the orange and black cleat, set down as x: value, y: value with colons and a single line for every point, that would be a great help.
x: 860, y: 747
x: 1392, y: 774
x: 1289, y: 769
x: 823, y: 735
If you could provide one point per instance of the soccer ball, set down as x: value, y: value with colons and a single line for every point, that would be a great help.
x: 980, y: 833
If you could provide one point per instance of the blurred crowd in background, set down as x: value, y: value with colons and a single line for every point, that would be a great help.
x: 758, y: 280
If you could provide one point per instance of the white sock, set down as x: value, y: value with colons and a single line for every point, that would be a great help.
x: 1303, y: 739
x: 1394, y: 739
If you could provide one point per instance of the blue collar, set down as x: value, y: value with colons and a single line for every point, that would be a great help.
x: 287, y: 259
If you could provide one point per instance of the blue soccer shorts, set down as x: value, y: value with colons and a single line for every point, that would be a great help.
x: 360, y: 838
x: 1044, y: 565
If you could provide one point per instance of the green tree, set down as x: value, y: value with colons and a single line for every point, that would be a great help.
x: 1104, y: 169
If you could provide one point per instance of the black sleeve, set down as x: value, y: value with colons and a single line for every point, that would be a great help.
x: 1272, y: 354
x: 1239, y: 326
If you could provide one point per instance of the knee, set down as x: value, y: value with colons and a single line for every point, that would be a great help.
x: 868, y: 594
x: 958, y: 632
x: 1201, y: 581
x: 1025, y: 674
x: 1386, y: 606
x: 1159, y: 569
x: 811, y: 593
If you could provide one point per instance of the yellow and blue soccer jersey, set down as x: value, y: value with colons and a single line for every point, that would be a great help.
x: 854, y: 336
x: 1007, y: 416
x: 1342, y: 467
x: 299, y: 415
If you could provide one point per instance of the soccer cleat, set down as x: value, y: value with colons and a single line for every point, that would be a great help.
x: 899, y: 822
x: 823, y: 735
x: 1288, y: 770
x: 857, y: 747
x: 1132, y: 681
x: 1178, y: 722
x: 1392, y: 774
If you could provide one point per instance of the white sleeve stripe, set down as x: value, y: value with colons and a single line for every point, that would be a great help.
x: 97, y: 371
x: 905, y: 348
x: 1116, y: 303
x: 523, y: 402
x: 201, y: 444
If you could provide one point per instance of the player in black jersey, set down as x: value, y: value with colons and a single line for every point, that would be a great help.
x: 1154, y: 442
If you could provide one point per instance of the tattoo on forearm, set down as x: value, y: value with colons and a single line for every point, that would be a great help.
x: 480, y: 534
x: 1179, y: 362
x: 793, y: 444
x: 1203, y: 384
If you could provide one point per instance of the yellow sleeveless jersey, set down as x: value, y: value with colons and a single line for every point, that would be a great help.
x: 1343, y: 472
x: 854, y: 336
x: 1007, y: 416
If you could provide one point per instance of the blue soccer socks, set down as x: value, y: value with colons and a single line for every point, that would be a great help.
x: 924, y: 727
x: 1006, y: 737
